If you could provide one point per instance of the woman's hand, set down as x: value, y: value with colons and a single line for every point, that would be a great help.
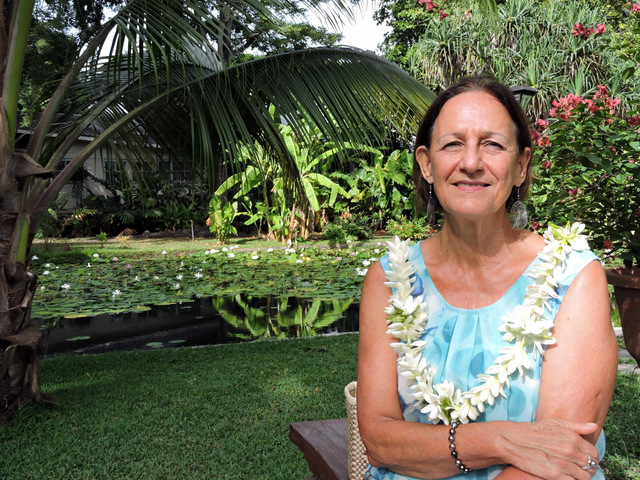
x: 549, y: 449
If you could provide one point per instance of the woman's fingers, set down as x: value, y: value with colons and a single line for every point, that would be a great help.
x: 552, y: 449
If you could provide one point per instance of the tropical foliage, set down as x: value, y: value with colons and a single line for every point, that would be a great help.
x: 588, y: 169
x: 287, y: 213
x: 152, y: 77
x: 555, y: 47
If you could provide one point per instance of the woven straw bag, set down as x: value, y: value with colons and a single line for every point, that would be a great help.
x: 357, y: 451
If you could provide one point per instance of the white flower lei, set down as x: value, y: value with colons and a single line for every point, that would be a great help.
x: 525, y: 326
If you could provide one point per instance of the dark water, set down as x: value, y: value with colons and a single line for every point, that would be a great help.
x: 204, y: 321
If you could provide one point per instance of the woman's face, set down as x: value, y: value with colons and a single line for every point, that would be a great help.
x: 473, y: 162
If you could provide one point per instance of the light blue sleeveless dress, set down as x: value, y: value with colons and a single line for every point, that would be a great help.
x: 464, y: 343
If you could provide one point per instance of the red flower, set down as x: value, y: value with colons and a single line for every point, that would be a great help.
x: 429, y: 5
x: 602, y: 92
x: 634, y: 121
x: 578, y: 30
x: 608, y: 244
x: 546, y: 164
x: 443, y: 15
x: 544, y: 141
x: 600, y: 29
x: 535, y: 226
x: 573, y: 191
x: 564, y: 116
x: 543, y: 123
x: 635, y: 7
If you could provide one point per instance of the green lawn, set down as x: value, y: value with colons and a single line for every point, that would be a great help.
x: 218, y: 412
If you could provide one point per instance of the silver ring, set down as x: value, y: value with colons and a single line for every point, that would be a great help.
x: 591, y: 463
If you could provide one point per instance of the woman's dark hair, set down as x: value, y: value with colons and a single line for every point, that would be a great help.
x: 500, y: 93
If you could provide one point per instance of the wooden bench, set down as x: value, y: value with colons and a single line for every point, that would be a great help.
x: 324, y: 445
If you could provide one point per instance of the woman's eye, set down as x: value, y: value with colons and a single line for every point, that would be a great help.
x: 494, y: 144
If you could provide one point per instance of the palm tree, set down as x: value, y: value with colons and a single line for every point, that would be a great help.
x: 152, y: 76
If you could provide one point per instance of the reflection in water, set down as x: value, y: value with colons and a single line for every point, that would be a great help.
x: 204, y: 321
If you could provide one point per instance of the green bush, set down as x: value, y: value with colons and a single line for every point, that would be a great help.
x: 348, y: 229
x: 404, y: 228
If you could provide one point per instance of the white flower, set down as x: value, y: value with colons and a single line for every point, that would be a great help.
x: 269, y: 249
x: 299, y: 260
x: 176, y: 286
x: 136, y: 279
x: 361, y: 271
x: 65, y: 286
x: 198, y: 275
x: 225, y: 249
x: 155, y: 277
x: 289, y: 250
x: 35, y: 257
x: 179, y: 277
x: 89, y: 265
x: 47, y: 265
x: 214, y: 250
x: 46, y: 272
x: 255, y: 257
x: 231, y: 255
x: 95, y: 255
x: 115, y: 293
x: 164, y: 252
x: 366, y: 263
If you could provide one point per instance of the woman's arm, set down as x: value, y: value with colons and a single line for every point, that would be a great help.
x: 579, y: 371
x: 551, y: 448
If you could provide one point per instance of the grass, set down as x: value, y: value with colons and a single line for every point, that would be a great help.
x: 218, y: 412
x: 193, y: 413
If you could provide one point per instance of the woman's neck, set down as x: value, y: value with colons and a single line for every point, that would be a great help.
x: 474, y: 243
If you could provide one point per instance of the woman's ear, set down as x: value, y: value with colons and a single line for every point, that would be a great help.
x: 424, y: 161
x: 523, y: 165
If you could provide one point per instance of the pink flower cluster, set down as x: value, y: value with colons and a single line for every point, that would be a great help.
x: 430, y: 5
x: 579, y: 30
x: 633, y: 7
x: 562, y: 107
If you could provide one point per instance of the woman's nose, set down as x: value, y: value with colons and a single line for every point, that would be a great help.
x: 471, y: 159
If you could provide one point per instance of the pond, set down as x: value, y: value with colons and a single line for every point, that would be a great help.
x: 203, y: 321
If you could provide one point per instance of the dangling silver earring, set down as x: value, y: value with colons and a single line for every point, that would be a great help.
x: 431, y: 206
x: 518, y: 214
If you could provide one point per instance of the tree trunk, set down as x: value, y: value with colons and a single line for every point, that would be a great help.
x: 21, y: 342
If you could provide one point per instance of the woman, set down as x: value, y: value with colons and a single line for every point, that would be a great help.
x: 463, y: 391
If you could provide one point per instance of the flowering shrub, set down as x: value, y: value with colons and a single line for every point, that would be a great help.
x: 587, y: 170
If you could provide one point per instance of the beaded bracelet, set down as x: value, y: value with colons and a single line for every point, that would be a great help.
x: 452, y: 447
